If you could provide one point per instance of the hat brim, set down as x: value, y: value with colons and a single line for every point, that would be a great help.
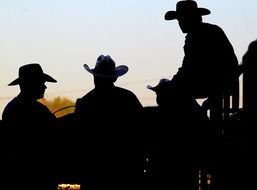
x: 45, y: 78
x: 119, y: 71
x: 171, y: 15
x: 151, y: 87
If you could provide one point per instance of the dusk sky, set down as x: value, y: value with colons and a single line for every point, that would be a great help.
x: 62, y: 35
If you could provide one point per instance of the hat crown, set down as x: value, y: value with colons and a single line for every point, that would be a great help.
x: 186, y: 6
x: 32, y: 70
x: 105, y: 65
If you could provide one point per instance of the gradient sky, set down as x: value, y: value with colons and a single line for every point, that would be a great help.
x: 62, y: 35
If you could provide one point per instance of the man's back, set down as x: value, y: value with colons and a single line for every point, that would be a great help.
x: 209, y: 62
x: 20, y: 113
x: 111, y: 100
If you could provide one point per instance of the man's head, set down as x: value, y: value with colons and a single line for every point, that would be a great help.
x: 188, y: 15
x: 169, y: 95
x: 32, y: 80
x: 163, y: 92
x: 251, y: 55
x: 105, y: 71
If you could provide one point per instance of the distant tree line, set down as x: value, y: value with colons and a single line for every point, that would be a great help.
x: 60, y: 106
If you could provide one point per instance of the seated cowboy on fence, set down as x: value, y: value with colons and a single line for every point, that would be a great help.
x: 209, y: 64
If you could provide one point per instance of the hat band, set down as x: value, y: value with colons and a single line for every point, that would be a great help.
x: 102, y: 71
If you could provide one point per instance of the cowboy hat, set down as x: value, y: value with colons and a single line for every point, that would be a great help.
x: 105, y: 67
x: 31, y: 72
x: 186, y: 7
x: 162, y: 83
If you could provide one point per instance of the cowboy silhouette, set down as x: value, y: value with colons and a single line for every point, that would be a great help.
x: 179, y: 144
x: 178, y: 105
x: 209, y: 64
x: 102, y: 112
x: 106, y: 97
x: 27, y: 120
x: 24, y: 110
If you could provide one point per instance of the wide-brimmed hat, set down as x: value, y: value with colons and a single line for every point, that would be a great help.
x: 186, y: 7
x: 162, y: 84
x: 31, y: 72
x: 105, y: 67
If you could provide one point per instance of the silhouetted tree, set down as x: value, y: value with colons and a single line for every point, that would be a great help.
x: 59, y: 105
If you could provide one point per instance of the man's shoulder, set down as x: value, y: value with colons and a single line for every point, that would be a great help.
x: 11, y: 106
x: 88, y: 97
x: 91, y: 93
x: 125, y: 91
x: 40, y: 106
x: 210, y: 26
